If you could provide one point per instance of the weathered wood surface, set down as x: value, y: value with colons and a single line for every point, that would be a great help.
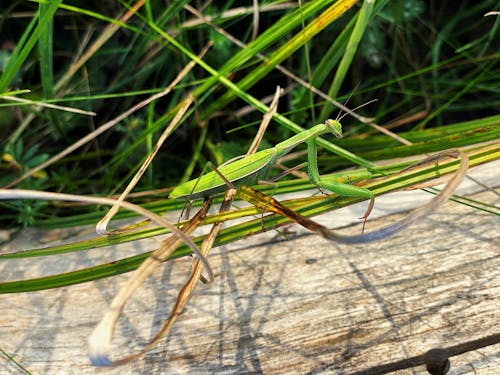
x: 303, y: 305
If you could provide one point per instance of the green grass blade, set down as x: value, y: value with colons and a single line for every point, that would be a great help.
x: 365, y: 13
x: 45, y: 46
x: 31, y: 35
x: 303, y: 36
x: 307, y: 207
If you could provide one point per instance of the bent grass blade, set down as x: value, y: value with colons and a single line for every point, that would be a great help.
x: 308, y: 206
x: 43, y: 195
x: 15, y: 363
x: 99, y: 342
x: 267, y: 203
x: 99, y: 353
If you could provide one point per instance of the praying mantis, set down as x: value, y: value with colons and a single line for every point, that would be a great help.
x: 257, y: 167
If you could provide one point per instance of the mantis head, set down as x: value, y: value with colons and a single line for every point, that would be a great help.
x: 334, y: 127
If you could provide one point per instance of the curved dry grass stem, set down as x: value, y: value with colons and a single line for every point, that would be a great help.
x: 270, y: 204
x: 102, y: 225
x: 266, y: 119
x: 99, y: 353
x: 42, y: 104
x: 43, y: 195
x: 99, y: 342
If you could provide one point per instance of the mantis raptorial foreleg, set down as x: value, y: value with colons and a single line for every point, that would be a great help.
x: 333, y: 185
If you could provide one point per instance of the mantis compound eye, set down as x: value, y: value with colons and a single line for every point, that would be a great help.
x: 334, y: 127
x: 437, y: 362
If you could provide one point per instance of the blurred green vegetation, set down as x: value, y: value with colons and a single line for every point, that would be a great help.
x: 431, y: 66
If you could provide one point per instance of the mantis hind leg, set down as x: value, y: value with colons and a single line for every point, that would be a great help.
x: 349, y: 191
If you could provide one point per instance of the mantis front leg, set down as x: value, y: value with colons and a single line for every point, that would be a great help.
x: 335, y: 186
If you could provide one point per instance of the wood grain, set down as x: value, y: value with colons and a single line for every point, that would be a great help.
x: 303, y: 305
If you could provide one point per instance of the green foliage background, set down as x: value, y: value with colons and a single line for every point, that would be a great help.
x: 432, y: 68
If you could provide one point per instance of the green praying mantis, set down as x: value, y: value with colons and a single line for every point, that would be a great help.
x: 257, y: 167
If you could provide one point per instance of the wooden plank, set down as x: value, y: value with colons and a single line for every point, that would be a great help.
x: 299, y: 306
